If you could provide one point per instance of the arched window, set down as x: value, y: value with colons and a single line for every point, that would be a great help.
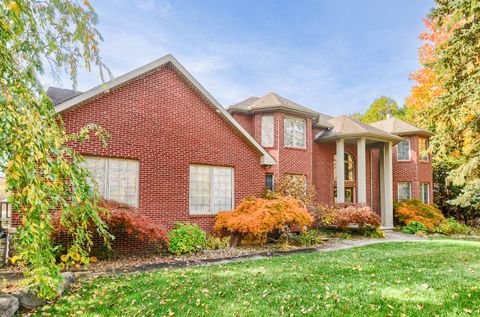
x: 349, y: 167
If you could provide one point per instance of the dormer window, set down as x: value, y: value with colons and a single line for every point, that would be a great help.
x: 295, y: 132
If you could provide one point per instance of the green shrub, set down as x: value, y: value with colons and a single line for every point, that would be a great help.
x: 372, y: 232
x: 414, y: 227
x: 186, y: 238
x: 217, y: 243
x: 305, y: 239
x: 451, y: 226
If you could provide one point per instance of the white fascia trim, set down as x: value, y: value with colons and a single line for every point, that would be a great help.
x: 266, y: 158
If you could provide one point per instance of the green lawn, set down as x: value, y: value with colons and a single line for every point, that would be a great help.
x: 439, y: 277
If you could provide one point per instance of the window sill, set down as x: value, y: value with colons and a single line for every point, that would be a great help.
x: 294, y: 148
x: 201, y: 215
x: 404, y: 161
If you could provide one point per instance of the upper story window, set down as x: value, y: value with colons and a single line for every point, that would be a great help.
x: 295, y: 132
x: 211, y: 189
x: 422, y: 148
x: 349, y: 167
x: 116, y: 179
x: 267, y: 131
x: 403, y: 150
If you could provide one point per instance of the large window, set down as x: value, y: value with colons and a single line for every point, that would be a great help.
x: 349, y: 167
x: 404, y: 191
x: 424, y: 192
x: 211, y: 189
x: 295, y: 132
x: 422, y: 148
x: 267, y: 131
x: 403, y: 150
x: 117, y: 179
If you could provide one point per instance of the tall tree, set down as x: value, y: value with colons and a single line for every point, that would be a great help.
x: 42, y: 172
x: 447, y: 90
x: 379, y: 109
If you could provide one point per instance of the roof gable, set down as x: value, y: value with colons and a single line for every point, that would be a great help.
x: 69, y: 104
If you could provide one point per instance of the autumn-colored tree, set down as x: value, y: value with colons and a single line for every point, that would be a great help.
x: 447, y: 91
x: 42, y: 172
x: 255, y: 218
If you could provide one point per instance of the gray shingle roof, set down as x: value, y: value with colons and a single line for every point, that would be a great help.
x: 346, y: 127
x: 272, y: 101
x: 400, y: 127
x: 59, y: 95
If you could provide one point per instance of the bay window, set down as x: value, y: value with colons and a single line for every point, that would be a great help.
x: 267, y: 131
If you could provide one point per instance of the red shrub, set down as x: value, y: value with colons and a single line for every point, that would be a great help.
x: 342, y: 216
x: 361, y: 216
x: 130, y: 220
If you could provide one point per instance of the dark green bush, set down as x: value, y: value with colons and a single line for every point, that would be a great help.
x: 414, y: 227
x: 186, y: 238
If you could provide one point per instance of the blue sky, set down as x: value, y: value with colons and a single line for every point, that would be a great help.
x: 333, y: 56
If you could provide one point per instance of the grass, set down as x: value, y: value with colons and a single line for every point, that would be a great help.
x: 431, y: 278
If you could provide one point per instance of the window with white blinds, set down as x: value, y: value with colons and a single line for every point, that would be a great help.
x: 211, y: 189
x: 403, y: 150
x: 295, y: 132
x: 267, y: 131
x: 117, y: 179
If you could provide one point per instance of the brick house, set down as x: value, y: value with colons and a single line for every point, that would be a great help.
x: 178, y: 155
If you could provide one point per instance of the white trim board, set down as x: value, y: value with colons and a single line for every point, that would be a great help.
x: 266, y: 158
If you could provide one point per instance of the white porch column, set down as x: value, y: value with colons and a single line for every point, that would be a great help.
x: 387, y: 200
x: 340, y: 162
x: 362, y: 171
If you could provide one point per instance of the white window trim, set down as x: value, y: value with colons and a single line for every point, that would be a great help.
x: 409, y: 151
x: 304, y: 135
x: 428, y: 192
x: 273, y: 131
x: 398, y: 190
x: 107, y: 179
x: 210, y: 175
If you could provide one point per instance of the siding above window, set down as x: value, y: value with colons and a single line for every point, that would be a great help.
x: 295, y: 132
x: 403, y: 150
x: 268, y: 131
x: 117, y: 179
x: 211, y: 189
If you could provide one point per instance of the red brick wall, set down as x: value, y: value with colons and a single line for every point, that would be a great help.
x: 414, y: 171
x: 289, y: 160
x: 246, y: 120
x: 160, y: 120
